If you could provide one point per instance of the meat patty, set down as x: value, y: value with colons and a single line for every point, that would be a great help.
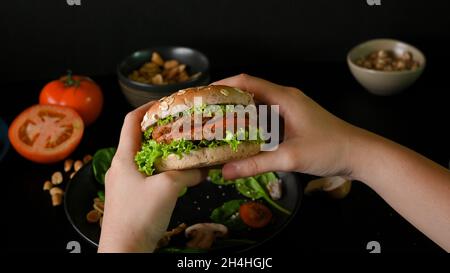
x: 206, y: 130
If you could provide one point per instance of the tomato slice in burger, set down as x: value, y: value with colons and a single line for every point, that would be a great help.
x: 46, y: 133
x: 255, y: 214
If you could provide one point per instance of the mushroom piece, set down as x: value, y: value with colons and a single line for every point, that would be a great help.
x: 203, y: 235
x: 274, y: 189
x: 336, y: 186
x: 164, y: 241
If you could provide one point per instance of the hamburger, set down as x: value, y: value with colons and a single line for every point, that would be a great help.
x: 198, y: 127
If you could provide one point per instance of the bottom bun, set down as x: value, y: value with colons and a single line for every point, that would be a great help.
x: 206, y: 157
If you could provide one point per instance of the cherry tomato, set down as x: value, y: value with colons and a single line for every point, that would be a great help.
x: 77, y: 92
x: 255, y: 214
x: 46, y: 133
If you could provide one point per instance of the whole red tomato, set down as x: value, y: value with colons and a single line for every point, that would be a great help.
x: 77, y: 92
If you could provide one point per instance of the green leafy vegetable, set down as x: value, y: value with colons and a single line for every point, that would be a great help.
x: 232, y: 140
x: 251, y: 187
x: 148, y: 133
x: 101, y: 163
x: 228, y: 214
x: 183, y: 192
x: 101, y: 195
x: 266, y: 178
x: 164, y: 121
x: 151, y: 150
x: 215, y: 175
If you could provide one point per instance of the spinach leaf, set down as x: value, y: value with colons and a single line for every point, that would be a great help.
x: 227, y: 214
x: 101, y: 195
x: 266, y: 178
x: 215, y: 175
x: 101, y: 163
x: 251, y: 187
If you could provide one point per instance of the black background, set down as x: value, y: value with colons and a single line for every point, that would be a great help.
x: 40, y: 39
x: 299, y: 43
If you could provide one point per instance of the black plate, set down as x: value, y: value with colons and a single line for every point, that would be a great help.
x: 194, y: 207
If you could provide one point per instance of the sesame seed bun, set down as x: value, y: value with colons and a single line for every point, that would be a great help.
x: 184, y: 100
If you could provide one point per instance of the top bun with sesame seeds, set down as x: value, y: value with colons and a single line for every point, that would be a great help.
x: 184, y: 100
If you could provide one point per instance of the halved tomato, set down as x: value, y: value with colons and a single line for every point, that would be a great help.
x: 46, y: 133
x: 255, y: 214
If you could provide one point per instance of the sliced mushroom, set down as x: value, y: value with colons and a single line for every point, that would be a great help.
x: 274, y: 189
x: 203, y: 235
x: 336, y: 186
x: 164, y: 241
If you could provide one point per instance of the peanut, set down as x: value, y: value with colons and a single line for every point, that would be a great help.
x: 77, y: 165
x: 57, y: 178
x: 68, y: 165
x: 47, y: 185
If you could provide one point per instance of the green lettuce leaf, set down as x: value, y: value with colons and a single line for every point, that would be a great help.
x: 152, y: 150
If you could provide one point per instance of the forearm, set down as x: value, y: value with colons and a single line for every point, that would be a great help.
x: 414, y: 186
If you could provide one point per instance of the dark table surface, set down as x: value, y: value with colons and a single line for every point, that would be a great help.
x: 417, y: 118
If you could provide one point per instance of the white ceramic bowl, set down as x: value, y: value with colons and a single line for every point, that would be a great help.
x: 384, y: 82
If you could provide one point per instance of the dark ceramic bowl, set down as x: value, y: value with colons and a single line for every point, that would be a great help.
x: 140, y: 93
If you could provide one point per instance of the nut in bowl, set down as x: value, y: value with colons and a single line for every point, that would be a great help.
x: 153, y: 73
x: 386, y: 66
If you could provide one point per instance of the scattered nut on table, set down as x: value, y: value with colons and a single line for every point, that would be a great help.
x: 77, y: 165
x: 68, y: 163
x: 87, y: 158
x: 57, y: 195
x: 72, y: 175
x: 47, y: 185
x: 57, y: 178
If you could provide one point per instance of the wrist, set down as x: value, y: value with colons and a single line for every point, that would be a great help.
x: 120, y: 244
x: 362, y: 148
x: 117, y: 237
